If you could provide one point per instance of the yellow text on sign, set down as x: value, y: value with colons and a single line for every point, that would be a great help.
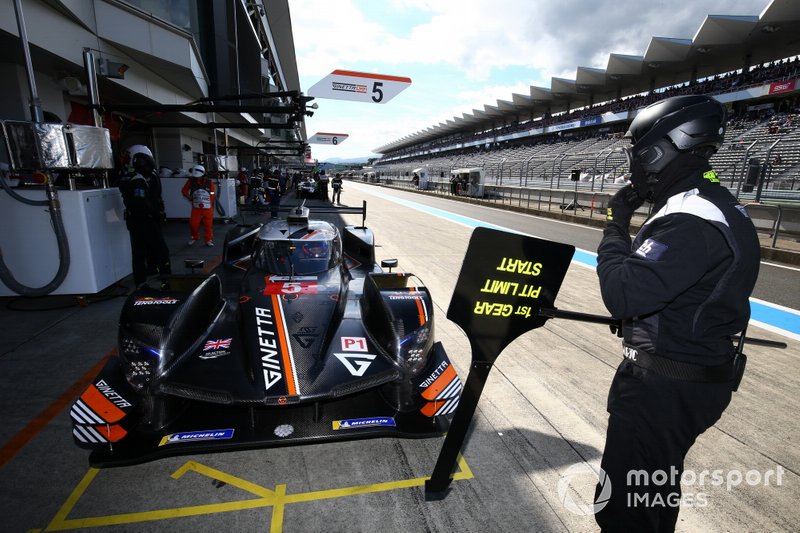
x: 519, y: 266
x: 512, y: 288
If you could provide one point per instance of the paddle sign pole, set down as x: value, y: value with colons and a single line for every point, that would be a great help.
x: 505, y: 280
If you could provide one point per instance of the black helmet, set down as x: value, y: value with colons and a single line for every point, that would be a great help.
x: 679, y: 124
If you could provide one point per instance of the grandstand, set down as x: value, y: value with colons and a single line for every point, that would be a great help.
x: 537, y: 141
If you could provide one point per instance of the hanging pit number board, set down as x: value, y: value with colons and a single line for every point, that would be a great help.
x: 359, y: 86
x: 328, y: 138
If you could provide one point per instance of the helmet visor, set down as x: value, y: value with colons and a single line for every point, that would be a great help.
x: 295, y: 257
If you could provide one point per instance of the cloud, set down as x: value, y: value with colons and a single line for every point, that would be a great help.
x: 464, y: 54
x: 478, y: 37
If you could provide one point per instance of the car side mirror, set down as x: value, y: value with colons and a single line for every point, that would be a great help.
x: 389, y: 263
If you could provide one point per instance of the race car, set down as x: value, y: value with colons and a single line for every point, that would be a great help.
x: 297, y: 336
x: 307, y: 189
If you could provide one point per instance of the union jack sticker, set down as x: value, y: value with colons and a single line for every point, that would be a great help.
x: 218, y: 344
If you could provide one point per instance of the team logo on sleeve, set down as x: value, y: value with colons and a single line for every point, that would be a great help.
x: 651, y: 250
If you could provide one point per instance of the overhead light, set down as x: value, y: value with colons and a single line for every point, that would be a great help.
x: 703, y: 49
x: 654, y: 65
x: 770, y: 28
x: 615, y: 76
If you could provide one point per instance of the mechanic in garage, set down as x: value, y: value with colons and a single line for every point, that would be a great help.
x: 144, y: 213
x: 200, y: 191
x: 336, y: 183
x: 681, y: 290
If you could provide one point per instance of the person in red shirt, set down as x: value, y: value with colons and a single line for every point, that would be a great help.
x: 244, y: 180
x: 200, y: 191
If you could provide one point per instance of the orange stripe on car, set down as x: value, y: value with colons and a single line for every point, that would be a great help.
x: 288, y: 367
x: 440, y: 384
x: 430, y: 408
x: 112, y: 433
x: 310, y: 235
x: 420, y: 308
x: 101, y: 405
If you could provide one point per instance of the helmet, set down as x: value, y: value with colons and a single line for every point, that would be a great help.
x: 139, y: 149
x: 316, y: 249
x: 141, y: 159
x: 666, y: 129
x: 197, y: 171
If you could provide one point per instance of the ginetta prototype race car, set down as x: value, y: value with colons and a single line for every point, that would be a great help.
x: 298, y: 336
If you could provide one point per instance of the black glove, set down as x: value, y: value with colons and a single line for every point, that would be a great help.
x: 622, y: 205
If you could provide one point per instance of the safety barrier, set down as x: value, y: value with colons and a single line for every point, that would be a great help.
x: 591, y: 204
x: 776, y: 220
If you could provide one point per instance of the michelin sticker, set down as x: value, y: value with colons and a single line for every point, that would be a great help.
x: 358, y: 423
x: 192, y: 436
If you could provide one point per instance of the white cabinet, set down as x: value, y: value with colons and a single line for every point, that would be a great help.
x: 99, y: 245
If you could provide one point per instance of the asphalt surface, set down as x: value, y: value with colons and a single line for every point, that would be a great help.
x: 542, y: 412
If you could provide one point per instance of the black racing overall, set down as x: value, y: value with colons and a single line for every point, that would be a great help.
x: 685, y: 281
x: 143, y: 217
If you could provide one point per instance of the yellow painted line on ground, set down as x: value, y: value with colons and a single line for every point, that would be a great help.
x: 73, y: 498
x: 276, y: 499
x: 213, y: 473
x: 276, y: 524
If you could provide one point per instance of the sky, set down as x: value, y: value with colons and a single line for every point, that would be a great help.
x: 464, y: 54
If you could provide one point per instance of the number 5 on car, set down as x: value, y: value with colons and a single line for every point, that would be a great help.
x: 359, y: 86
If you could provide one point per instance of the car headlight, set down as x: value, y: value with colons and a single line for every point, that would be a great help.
x: 140, y: 363
x: 414, y: 349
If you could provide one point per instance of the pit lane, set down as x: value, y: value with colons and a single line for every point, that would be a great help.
x: 542, y: 411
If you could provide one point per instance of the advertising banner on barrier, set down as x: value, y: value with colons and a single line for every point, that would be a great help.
x: 782, y: 87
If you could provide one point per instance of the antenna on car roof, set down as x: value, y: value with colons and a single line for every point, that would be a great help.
x: 364, y: 214
x: 298, y: 215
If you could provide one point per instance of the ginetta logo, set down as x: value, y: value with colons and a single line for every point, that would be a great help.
x: 434, y: 375
x: 356, y: 363
x: 349, y: 87
x: 111, y: 394
x: 268, y: 347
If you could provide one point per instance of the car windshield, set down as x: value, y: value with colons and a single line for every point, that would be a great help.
x: 296, y: 257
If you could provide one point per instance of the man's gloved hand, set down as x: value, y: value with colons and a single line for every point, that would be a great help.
x: 622, y: 205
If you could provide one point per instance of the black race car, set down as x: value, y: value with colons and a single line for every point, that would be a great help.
x: 298, y: 336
